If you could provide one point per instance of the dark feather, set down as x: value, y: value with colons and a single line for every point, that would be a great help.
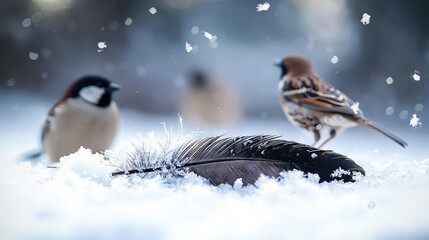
x: 224, y: 160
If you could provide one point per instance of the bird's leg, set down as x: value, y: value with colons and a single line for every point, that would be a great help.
x: 316, y: 137
x: 332, y: 134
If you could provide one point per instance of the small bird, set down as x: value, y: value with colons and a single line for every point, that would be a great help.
x: 208, y: 102
x: 315, y: 105
x: 85, y: 116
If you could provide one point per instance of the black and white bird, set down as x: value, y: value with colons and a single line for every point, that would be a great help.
x: 85, y: 116
x: 312, y: 104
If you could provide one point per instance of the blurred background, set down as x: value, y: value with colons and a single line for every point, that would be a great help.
x: 46, y: 44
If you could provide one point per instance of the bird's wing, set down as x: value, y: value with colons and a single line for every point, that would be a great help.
x: 50, y: 117
x: 314, y: 93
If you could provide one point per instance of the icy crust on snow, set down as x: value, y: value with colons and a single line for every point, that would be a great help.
x: 80, y: 200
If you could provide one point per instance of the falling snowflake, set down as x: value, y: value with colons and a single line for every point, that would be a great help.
x: 152, y: 10
x: 415, y: 121
x: 390, y: 110
x: 355, y: 107
x: 26, y: 22
x: 365, y: 19
x: 188, y: 47
x: 262, y: 7
x: 128, y: 22
x: 416, y: 76
x: 389, y: 80
x: 313, y: 155
x: 195, y: 30
x: 101, y: 46
x: 208, y: 35
x: 33, y: 56
x: 334, y: 59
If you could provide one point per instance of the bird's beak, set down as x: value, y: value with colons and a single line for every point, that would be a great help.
x: 113, y: 87
x: 278, y: 62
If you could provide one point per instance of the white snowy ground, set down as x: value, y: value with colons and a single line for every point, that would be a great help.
x: 81, y: 201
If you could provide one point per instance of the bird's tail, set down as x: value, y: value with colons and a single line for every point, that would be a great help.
x: 380, y: 129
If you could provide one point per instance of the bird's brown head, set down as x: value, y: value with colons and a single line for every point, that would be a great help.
x: 294, y: 66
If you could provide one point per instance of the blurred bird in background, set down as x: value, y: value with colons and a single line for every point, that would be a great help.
x: 85, y: 116
x: 208, y: 102
x: 315, y: 105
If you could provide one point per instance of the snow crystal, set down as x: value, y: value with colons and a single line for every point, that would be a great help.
x: 416, y: 76
x: 36, y: 17
x: 371, y: 205
x: 195, y: 30
x: 313, y: 155
x: 415, y: 121
x: 128, y: 22
x: 355, y: 107
x: 33, y: 56
x: 403, y: 114
x: 340, y: 172
x: 188, y: 47
x: 238, y: 183
x: 113, y: 26
x: 418, y: 107
x: 208, y: 35
x: 44, y: 75
x: 262, y: 7
x: 11, y: 82
x: 152, y: 10
x: 365, y: 19
x: 389, y: 80
x: 101, y: 46
x: 334, y: 59
x: 26, y: 22
x: 389, y: 110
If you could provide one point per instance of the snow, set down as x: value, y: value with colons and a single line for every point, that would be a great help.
x: 334, y: 59
x: 355, y: 107
x: 26, y: 22
x: 101, y: 46
x: 403, y: 114
x: 188, y: 47
x: 152, y: 10
x: 128, y: 21
x: 11, y: 82
x: 44, y: 75
x: 79, y: 199
x: 195, y: 30
x: 262, y: 7
x: 365, y: 19
x: 418, y: 107
x: 416, y: 77
x: 389, y: 80
x: 36, y: 17
x: 33, y: 56
x: 389, y: 110
x: 208, y: 35
x: 415, y: 121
